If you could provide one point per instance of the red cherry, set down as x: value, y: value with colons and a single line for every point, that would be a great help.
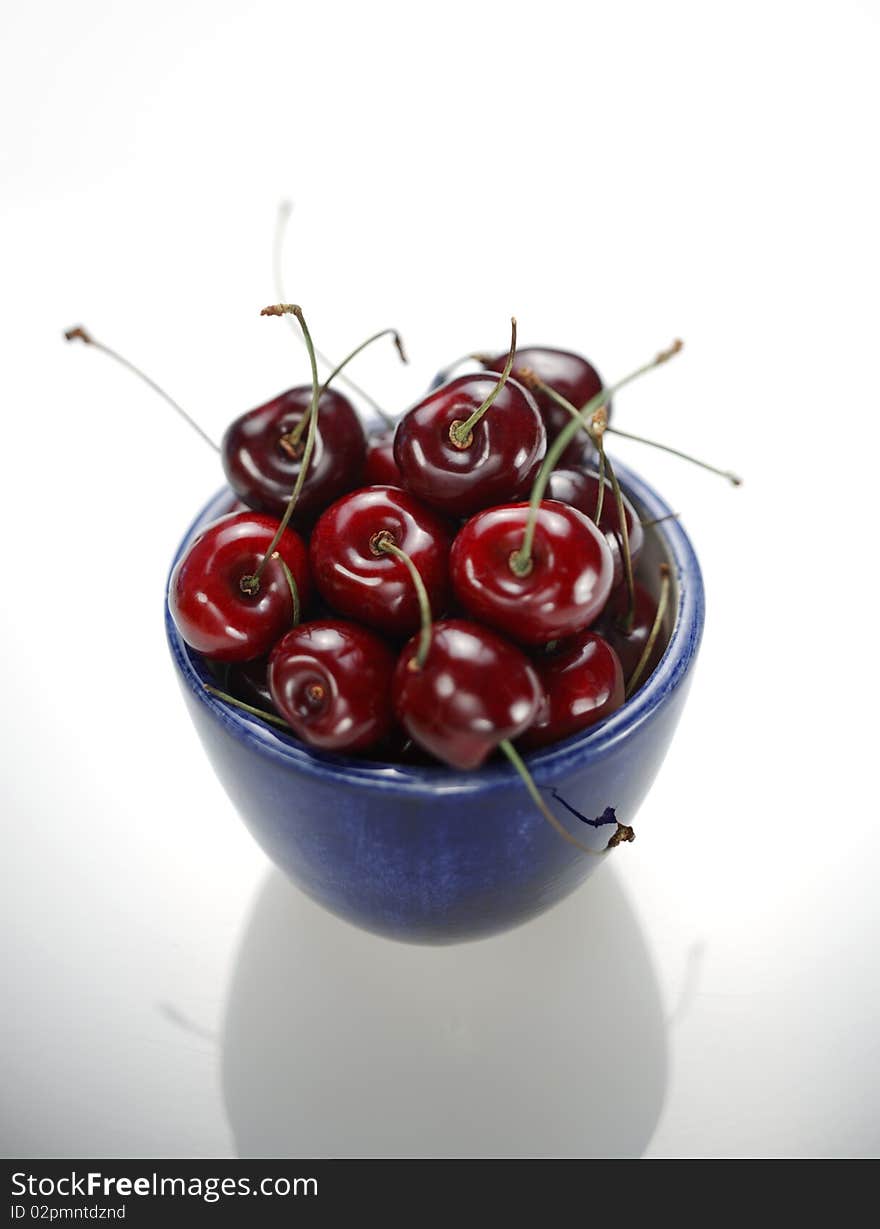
x: 380, y: 468
x: 506, y: 446
x: 358, y: 579
x: 567, y: 372
x: 213, y: 613
x: 473, y: 691
x: 628, y: 645
x: 331, y: 681
x: 583, y: 684
x: 247, y: 681
x: 565, y: 588
x: 580, y: 488
x: 262, y: 461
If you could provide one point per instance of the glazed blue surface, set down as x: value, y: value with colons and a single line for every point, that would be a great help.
x: 428, y: 854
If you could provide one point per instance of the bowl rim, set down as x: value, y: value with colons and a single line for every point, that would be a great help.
x: 546, y: 765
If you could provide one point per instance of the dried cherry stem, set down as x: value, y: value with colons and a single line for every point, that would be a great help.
x: 521, y: 560
x: 621, y: 833
x: 81, y: 334
x: 732, y: 478
x: 383, y: 543
x: 251, y: 584
x: 247, y: 708
x: 293, y: 437
x: 641, y: 664
x: 285, y: 209
x: 461, y: 433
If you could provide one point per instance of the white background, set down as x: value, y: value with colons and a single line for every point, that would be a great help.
x: 616, y: 175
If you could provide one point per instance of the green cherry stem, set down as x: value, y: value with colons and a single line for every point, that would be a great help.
x: 600, y: 426
x: 293, y: 437
x: 732, y: 478
x: 621, y: 833
x: 247, y: 708
x: 294, y: 590
x: 461, y: 433
x: 521, y: 560
x: 383, y: 543
x: 251, y: 584
x: 81, y: 334
x: 662, y: 603
x: 285, y: 209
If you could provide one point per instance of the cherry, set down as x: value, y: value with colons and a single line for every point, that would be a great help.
x: 247, y: 681
x: 567, y: 372
x: 357, y: 575
x: 380, y: 468
x: 629, y: 643
x: 473, y: 691
x: 583, y: 684
x: 218, y: 604
x: 564, y: 586
x: 262, y: 452
x: 331, y: 681
x: 580, y: 489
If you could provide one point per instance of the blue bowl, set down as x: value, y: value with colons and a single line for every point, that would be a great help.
x: 428, y: 854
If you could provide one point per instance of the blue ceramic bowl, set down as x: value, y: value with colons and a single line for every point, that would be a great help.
x: 428, y: 854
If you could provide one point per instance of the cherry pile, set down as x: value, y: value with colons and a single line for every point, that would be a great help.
x: 458, y: 583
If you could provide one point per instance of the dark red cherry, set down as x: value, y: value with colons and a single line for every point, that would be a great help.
x: 580, y: 488
x: 567, y: 372
x: 628, y: 645
x: 583, y: 684
x: 247, y: 681
x: 506, y: 446
x: 213, y: 613
x: 562, y: 593
x: 262, y: 462
x: 474, y: 690
x: 380, y: 468
x: 331, y: 682
x: 362, y: 582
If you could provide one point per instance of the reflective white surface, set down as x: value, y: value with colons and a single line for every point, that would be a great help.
x: 713, y: 991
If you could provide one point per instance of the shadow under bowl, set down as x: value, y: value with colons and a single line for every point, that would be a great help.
x: 428, y: 854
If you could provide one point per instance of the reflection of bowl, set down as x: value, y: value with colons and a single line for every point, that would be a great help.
x: 428, y: 854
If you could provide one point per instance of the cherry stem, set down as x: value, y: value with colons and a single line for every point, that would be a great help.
x: 285, y: 209
x: 460, y: 433
x: 293, y: 437
x: 383, y: 543
x: 600, y: 423
x: 625, y: 551
x: 247, y: 708
x: 294, y: 590
x: 732, y: 478
x: 521, y: 560
x: 293, y: 309
x: 81, y: 334
x: 516, y: 760
x: 663, y: 602
x: 658, y: 520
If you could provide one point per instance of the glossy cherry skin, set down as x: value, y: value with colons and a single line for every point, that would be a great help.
x: 507, y: 446
x: 212, y: 613
x: 583, y: 684
x: 380, y: 468
x: 629, y: 645
x: 474, y: 690
x: 567, y: 372
x: 261, y: 470
x: 569, y: 581
x: 363, y: 583
x: 247, y: 681
x: 331, y: 682
x: 580, y: 488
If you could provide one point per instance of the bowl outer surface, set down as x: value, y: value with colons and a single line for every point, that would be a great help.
x: 430, y: 854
